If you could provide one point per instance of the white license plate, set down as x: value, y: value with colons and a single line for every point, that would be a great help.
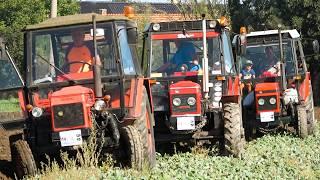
x: 267, y: 116
x: 70, y: 138
x: 185, y: 123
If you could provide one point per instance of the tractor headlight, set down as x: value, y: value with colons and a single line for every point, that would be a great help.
x: 176, y: 101
x: 156, y: 27
x: 261, y: 101
x: 37, y: 112
x: 99, y: 105
x: 191, y: 101
x: 212, y: 24
x: 272, y: 100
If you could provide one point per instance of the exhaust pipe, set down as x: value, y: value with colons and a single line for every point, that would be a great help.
x: 97, y: 63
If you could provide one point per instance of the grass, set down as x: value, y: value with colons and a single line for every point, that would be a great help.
x: 9, y: 105
x: 270, y: 157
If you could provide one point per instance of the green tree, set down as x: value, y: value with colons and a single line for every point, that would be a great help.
x: 16, y: 14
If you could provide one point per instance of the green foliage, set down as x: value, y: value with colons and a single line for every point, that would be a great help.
x: 16, y: 14
x: 270, y: 157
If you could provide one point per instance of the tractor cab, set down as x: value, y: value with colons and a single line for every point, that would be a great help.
x: 82, y: 74
x: 280, y: 94
x: 193, y: 80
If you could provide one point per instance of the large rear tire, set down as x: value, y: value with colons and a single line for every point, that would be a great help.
x: 233, y: 129
x: 145, y: 127
x: 23, y: 159
x: 130, y: 143
x: 302, y: 128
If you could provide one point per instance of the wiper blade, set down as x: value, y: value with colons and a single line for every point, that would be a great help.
x: 58, y: 69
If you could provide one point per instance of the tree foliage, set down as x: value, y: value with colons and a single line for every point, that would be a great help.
x: 16, y: 14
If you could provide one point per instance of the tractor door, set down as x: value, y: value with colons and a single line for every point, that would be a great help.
x: 12, y: 101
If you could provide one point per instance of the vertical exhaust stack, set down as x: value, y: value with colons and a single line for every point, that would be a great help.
x: 97, y: 63
x: 205, y: 76
x: 282, y: 65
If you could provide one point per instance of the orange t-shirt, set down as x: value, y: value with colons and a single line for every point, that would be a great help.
x: 82, y: 53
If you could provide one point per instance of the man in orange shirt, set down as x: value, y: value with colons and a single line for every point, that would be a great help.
x: 80, y: 55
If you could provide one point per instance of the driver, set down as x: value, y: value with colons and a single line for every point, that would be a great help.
x: 185, y: 55
x: 79, y: 54
x: 273, y: 67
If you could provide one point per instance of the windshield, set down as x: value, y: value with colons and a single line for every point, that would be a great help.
x: 175, y: 52
x: 71, y: 50
x: 265, y: 59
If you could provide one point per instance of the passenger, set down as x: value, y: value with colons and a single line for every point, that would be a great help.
x: 79, y: 55
x: 247, y: 72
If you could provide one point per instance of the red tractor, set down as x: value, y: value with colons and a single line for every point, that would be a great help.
x: 280, y: 93
x: 194, y: 84
x: 74, y: 89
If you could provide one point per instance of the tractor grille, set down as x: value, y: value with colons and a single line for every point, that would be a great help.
x: 184, y: 107
x: 68, y: 115
x: 267, y: 105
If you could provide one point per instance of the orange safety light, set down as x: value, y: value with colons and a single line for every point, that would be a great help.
x: 223, y: 21
x: 243, y: 30
x: 128, y: 11
x: 29, y: 107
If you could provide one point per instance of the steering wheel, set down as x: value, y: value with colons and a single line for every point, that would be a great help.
x: 66, y: 66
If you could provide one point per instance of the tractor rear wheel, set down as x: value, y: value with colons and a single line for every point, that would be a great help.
x: 311, y: 120
x: 130, y: 143
x: 233, y: 129
x: 302, y: 128
x: 23, y: 159
x: 144, y: 125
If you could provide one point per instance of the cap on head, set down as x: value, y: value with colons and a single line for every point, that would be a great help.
x: 249, y: 62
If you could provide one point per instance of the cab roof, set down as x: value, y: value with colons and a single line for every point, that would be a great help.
x: 72, y: 20
x: 293, y: 33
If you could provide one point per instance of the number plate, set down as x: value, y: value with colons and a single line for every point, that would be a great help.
x: 185, y: 123
x: 267, y: 116
x: 70, y: 138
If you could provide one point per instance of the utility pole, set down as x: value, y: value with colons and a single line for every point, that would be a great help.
x: 54, y: 4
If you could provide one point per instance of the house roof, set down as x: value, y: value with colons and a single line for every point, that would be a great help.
x: 117, y: 7
x: 72, y: 20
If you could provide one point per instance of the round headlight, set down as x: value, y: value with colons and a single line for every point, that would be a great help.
x: 176, y: 101
x: 272, y: 100
x: 36, y: 112
x: 156, y: 27
x: 261, y: 101
x: 212, y: 24
x: 218, y: 84
x: 191, y: 101
x: 99, y: 105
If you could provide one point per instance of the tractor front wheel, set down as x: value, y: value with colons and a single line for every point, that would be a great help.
x: 302, y: 128
x: 233, y: 129
x: 23, y: 159
x: 145, y: 127
x: 130, y: 143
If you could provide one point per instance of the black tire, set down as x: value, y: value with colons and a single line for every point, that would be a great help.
x: 130, y: 143
x: 147, y: 134
x: 302, y: 122
x: 233, y: 129
x: 23, y: 159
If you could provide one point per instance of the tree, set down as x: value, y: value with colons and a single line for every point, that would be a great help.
x: 16, y: 14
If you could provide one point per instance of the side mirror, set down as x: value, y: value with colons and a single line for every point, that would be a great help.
x: 315, y: 45
x: 132, y: 35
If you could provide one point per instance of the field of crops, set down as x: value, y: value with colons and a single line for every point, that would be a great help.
x: 270, y: 157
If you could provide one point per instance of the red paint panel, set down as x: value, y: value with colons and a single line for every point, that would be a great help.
x: 304, y: 89
x: 181, y: 36
x: 267, y: 90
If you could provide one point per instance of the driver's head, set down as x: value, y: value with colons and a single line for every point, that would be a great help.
x: 269, y: 51
x: 77, y: 37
